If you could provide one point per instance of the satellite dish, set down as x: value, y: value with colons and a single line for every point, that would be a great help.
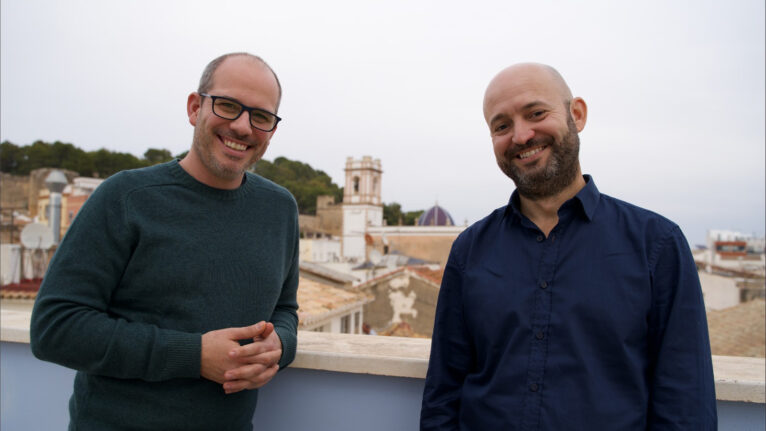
x: 37, y: 236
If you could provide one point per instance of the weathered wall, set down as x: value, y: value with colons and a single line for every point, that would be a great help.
x: 329, y: 215
x: 14, y: 191
x: 431, y: 248
x: 404, y: 297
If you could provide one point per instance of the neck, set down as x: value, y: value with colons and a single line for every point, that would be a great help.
x: 544, y: 212
x: 194, y: 167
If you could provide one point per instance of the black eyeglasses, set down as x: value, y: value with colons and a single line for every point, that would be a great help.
x: 230, y: 109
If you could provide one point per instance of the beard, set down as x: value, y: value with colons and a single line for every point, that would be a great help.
x: 203, y: 143
x: 549, y: 180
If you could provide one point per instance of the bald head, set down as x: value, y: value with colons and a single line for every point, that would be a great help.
x: 206, y: 81
x: 526, y: 75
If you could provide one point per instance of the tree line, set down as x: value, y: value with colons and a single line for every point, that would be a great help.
x: 303, y: 181
x: 21, y: 160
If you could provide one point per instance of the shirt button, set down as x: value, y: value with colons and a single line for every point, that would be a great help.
x: 540, y: 238
x: 543, y: 285
x: 533, y: 387
x: 539, y: 335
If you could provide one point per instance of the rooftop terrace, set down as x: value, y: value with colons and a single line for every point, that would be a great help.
x: 337, y: 382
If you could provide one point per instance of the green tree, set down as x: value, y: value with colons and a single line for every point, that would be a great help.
x: 22, y: 160
x: 154, y: 156
x: 108, y: 163
x: 12, y: 157
x: 411, y: 217
x: 392, y: 214
x: 303, y: 181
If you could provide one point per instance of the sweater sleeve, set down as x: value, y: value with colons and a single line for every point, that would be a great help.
x: 285, y: 316
x: 71, y: 324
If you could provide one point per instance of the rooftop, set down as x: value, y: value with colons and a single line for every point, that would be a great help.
x: 319, y: 301
x: 739, y: 330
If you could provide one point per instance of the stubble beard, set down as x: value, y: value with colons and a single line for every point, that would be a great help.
x: 561, y: 171
x: 203, y: 144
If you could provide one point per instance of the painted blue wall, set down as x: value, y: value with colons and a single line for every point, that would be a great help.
x: 34, y: 395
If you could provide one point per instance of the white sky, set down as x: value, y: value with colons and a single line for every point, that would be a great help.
x: 675, y: 89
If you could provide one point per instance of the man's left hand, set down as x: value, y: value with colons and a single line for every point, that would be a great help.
x: 259, y: 359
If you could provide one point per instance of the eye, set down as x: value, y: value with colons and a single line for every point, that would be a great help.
x: 537, y: 114
x: 260, y: 118
x: 500, y: 128
x: 227, y: 105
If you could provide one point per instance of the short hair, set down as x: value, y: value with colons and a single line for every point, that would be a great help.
x: 206, y: 81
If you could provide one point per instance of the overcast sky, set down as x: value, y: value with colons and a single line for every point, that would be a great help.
x: 675, y: 89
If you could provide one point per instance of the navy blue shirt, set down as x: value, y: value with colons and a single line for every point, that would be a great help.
x: 601, y: 325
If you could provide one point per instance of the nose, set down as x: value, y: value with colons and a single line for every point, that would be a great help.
x: 522, y: 133
x: 241, y: 125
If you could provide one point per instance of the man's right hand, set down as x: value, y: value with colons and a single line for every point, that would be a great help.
x: 216, y: 345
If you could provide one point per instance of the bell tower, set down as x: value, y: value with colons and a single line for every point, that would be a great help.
x: 362, y: 204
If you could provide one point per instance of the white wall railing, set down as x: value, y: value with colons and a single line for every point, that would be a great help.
x: 337, y: 382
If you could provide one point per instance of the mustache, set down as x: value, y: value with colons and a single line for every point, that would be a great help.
x: 515, y: 150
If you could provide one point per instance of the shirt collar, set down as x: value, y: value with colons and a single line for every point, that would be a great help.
x: 588, y: 197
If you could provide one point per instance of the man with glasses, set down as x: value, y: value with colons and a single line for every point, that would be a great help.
x: 173, y: 293
x: 566, y: 309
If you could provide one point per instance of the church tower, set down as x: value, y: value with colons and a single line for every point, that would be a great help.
x: 362, y: 205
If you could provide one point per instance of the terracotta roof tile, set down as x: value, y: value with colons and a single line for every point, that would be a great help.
x: 739, y: 330
x: 428, y: 273
x: 317, y: 300
x: 402, y: 329
x: 26, y: 289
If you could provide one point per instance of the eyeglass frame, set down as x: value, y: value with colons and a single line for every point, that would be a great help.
x: 245, y: 108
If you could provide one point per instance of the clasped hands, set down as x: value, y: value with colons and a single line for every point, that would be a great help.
x: 241, y: 367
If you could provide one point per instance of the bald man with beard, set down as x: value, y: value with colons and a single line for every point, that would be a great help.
x: 566, y: 309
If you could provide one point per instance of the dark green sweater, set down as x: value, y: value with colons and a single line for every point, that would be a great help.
x: 153, y: 260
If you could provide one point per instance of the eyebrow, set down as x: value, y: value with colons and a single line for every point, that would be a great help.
x: 246, y: 108
x: 526, y: 107
x: 533, y: 103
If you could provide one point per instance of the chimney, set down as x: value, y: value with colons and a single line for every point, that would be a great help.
x: 55, y: 182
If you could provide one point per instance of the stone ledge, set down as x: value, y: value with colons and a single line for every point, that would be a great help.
x: 367, y: 354
x: 738, y: 379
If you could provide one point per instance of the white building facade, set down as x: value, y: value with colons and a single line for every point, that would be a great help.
x: 362, y: 205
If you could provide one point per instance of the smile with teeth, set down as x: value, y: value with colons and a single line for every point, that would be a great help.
x: 530, y: 153
x: 234, y: 145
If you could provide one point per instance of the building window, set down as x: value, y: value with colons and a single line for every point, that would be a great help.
x: 356, y: 184
x: 356, y: 322
x: 345, y: 324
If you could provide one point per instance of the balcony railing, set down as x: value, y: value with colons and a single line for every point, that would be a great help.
x: 337, y: 382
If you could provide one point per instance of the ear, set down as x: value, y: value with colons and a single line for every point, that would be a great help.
x: 193, y: 104
x: 579, y: 112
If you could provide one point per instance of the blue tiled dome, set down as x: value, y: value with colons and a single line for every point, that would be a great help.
x: 436, y: 216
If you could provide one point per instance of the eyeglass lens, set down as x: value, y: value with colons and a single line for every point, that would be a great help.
x: 230, y: 110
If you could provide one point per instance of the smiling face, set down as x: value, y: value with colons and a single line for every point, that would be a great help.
x: 533, y: 122
x: 223, y: 149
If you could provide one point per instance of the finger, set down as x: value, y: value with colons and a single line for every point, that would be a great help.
x: 247, y: 371
x: 266, y: 358
x: 245, y: 332
x: 254, y: 348
x: 267, y: 330
x: 253, y: 382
